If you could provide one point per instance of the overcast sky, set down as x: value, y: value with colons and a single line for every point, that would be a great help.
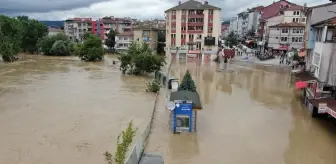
x: 141, y: 9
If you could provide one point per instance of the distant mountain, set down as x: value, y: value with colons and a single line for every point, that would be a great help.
x: 53, y: 24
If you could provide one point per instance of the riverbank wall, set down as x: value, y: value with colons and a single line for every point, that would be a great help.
x: 136, y: 152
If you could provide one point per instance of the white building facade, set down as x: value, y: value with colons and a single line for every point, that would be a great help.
x: 233, y: 25
x: 194, y: 28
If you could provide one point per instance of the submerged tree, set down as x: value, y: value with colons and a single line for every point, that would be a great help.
x: 124, y: 140
x: 188, y: 83
x: 11, y: 34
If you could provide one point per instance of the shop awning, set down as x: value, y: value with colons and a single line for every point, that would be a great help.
x: 301, y: 84
x: 249, y: 41
x: 302, y: 54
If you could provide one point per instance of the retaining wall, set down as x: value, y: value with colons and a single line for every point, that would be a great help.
x: 141, y: 140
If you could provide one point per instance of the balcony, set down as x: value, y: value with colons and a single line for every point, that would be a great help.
x: 195, y: 15
x: 195, y: 31
x: 195, y: 23
x: 173, y: 16
x: 173, y: 31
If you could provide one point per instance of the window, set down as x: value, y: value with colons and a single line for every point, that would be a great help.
x: 284, y: 30
x: 296, y: 13
x: 284, y: 39
x: 293, y: 39
x: 330, y: 34
x: 183, y: 28
x: 210, y: 12
x: 182, y: 121
x: 295, y: 19
x: 173, y: 27
x: 303, y: 20
x: 300, y: 39
x: 173, y: 36
x: 199, y: 36
x: 301, y: 30
x: 173, y: 12
x: 319, y: 34
x: 276, y: 37
x: 294, y: 30
x: 184, y: 12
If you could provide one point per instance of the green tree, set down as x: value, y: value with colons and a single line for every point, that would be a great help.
x: 33, y: 30
x: 10, y: 38
x: 140, y: 59
x: 122, y: 146
x: 187, y: 83
x: 110, y: 41
x: 92, y: 48
x: 46, y: 43
x: 231, y: 40
x: 61, y: 48
x: 250, y: 33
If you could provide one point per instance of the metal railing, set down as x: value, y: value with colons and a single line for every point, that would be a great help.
x: 141, y: 140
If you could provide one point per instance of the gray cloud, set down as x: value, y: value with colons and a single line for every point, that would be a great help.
x: 62, y: 9
x: 22, y: 6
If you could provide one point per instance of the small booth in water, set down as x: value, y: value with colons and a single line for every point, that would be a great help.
x: 184, y: 106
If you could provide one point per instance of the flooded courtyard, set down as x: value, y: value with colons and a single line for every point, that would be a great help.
x: 62, y: 110
x: 251, y: 115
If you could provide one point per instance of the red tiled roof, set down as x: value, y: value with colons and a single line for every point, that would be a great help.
x: 294, y: 8
x: 293, y: 24
x: 273, y: 9
x: 54, y: 30
x: 258, y: 8
x: 126, y: 34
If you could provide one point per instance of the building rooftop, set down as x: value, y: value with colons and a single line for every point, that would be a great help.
x: 193, y: 5
x: 275, y: 8
x: 293, y: 24
x: 54, y: 30
x: 327, y: 22
x: 80, y: 19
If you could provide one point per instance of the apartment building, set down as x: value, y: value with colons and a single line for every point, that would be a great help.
x: 194, y: 28
x: 233, y: 25
x: 76, y: 27
x: 148, y: 35
x: 321, y: 41
x: 225, y: 30
x: 274, y: 10
x: 285, y: 36
x: 124, y: 41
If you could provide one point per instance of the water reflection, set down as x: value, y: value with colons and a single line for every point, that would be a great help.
x: 250, y: 115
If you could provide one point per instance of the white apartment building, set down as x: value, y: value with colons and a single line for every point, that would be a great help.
x: 75, y: 28
x: 289, y: 14
x: 123, y: 41
x: 193, y: 28
x: 233, y: 25
x: 285, y: 36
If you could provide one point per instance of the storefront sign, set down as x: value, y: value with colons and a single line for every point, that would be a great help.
x: 322, y: 108
x: 283, y: 47
x: 331, y: 112
x: 194, y: 52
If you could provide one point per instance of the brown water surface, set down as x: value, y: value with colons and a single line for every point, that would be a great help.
x: 64, y: 111
x: 251, y: 115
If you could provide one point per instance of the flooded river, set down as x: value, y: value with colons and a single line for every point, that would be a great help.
x: 251, y: 115
x: 64, y: 111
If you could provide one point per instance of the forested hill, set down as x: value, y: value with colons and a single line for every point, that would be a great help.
x: 54, y: 24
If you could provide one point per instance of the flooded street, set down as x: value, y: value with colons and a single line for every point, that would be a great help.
x: 65, y: 111
x: 251, y: 115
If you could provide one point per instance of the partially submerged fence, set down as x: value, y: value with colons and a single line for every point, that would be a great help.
x: 141, y: 140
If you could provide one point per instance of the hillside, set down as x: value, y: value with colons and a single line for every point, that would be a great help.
x: 54, y: 24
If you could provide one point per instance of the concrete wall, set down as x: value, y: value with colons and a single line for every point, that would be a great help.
x: 325, y: 51
x: 289, y: 15
x: 140, y: 142
x: 275, y: 35
x: 317, y: 15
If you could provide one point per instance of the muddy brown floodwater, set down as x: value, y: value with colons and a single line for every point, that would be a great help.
x: 64, y: 111
x: 250, y: 116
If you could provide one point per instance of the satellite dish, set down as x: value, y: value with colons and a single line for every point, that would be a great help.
x: 171, y: 105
